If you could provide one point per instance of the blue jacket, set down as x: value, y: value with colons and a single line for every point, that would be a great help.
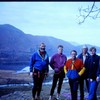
x: 38, y: 63
x: 94, y: 67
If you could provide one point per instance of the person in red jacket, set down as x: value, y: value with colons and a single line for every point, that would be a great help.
x: 74, y: 68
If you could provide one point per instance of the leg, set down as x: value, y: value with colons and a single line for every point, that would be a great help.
x: 35, y: 86
x: 81, y: 83
x: 40, y: 81
x: 87, y: 84
x: 92, y: 90
x: 74, y: 87
x: 60, y: 85
x: 55, y: 79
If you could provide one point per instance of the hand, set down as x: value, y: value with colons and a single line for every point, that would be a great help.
x: 56, y: 70
x: 46, y: 74
x: 97, y: 79
x: 91, y: 80
x: 31, y: 73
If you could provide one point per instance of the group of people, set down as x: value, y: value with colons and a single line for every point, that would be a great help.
x: 79, y: 69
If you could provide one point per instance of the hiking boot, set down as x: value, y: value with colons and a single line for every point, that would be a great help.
x: 38, y: 98
x: 33, y: 98
x: 57, y: 96
x: 50, y: 98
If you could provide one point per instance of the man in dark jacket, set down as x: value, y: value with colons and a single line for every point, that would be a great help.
x: 57, y: 63
x: 38, y: 69
x: 84, y: 56
x: 93, y: 73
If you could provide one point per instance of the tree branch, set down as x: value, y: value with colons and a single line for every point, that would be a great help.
x: 88, y: 12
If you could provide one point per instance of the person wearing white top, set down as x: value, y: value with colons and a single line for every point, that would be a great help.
x: 84, y: 56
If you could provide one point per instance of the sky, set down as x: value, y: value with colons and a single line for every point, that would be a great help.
x: 56, y: 19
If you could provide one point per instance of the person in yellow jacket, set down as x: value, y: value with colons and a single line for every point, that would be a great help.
x: 73, y: 69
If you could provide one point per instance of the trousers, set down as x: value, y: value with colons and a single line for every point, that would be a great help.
x: 38, y: 77
x: 57, y: 78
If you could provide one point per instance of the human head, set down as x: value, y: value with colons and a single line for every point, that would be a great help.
x: 84, y: 49
x: 73, y: 54
x: 93, y: 50
x: 60, y: 49
x: 42, y: 47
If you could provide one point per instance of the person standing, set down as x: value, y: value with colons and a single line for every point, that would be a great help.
x: 84, y: 56
x: 74, y: 68
x: 57, y: 63
x: 38, y: 69
x: 93, y: 73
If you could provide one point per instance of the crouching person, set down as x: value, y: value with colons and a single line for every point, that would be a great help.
x: 74, y: 68
x: 38, y: 69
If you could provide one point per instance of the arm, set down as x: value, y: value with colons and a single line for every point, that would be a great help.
x: 47, y: 70
x: 65, y: 68
x: 51, y: 62
x: 32, y: 62
x: 82, y: 69
x: 98, y: 71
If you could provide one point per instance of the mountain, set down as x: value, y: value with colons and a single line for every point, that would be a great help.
x: 74, y: 43
x: 13, y: 39
x: 16, y: 46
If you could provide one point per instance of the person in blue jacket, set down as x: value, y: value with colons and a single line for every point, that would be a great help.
x: 38, y: 69
x: 84, y: 56
x: 93, y: 73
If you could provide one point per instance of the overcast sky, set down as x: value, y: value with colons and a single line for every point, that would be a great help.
x: 57, y: 19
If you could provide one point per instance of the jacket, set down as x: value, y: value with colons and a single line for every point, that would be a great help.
x: 38, y: 62
x: 93, y: 67
x: 57, y: 62
x: 74, y: 69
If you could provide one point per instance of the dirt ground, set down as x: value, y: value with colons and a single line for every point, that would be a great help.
x: 24, y: 92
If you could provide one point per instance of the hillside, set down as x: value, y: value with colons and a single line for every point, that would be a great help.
x: 16, y: 46
x: 13, y: 39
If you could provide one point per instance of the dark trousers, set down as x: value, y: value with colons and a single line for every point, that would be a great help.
x: 38, y: 77
x: 57, y: 78
x: 73, y: 88
x: 81, y: 86
x: 92, y: 90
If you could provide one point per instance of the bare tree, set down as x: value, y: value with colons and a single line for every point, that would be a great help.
x: 92, y: 12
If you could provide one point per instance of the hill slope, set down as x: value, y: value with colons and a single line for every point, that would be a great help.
x: 13, y: 39
x: 16, y: 46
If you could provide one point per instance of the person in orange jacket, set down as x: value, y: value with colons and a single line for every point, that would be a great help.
x: 73, y: 69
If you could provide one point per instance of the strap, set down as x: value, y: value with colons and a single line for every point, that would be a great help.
x: 72, y: 66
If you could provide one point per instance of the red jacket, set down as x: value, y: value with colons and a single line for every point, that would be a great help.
x: 78, y: 66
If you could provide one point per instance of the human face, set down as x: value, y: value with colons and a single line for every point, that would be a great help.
x: 60, y: 50
x: 42, y: 47
x: 84, y: 50
x: 73, y: 55
x: 93, y: 52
